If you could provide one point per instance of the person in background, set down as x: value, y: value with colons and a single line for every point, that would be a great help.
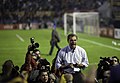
x: 9, y: 71
x: 54, y: 40
x: 114, y: 74
x: 115, y: 61
x: 45, y: 77
x: 114, y: 71
x: 66, y: 78
x: 72, y: 58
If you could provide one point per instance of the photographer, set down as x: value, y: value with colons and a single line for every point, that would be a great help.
x: 115, y: 71
x: 41, y: 63
x: 104, y: 68
x: 115, y: 61
x: 37, y: 62
x: 34, y: 62
x: 30, y: 62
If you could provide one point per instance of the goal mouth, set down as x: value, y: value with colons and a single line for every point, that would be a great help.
x: 83, y: 22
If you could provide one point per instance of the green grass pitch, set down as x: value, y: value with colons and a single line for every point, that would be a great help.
x: 14, y: 43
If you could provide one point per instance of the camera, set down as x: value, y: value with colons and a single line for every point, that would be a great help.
x: 32, y: 40
x: 34, y: 45
x: 105, y: 63
x: 44, y: 64
x: 103, y: 66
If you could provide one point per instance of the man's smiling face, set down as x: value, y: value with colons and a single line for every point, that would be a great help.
x: 72, y: 42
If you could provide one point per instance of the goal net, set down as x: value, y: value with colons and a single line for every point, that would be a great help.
x: 84, y: 22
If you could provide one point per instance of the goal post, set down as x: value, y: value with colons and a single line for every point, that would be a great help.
x: 84, y: 22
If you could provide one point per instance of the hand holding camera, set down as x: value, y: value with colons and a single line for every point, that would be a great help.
x: 71, y: 65
x: 79, y: 65
x: 33, y: 45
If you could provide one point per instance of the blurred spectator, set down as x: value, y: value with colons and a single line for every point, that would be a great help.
x: 115, y: 61
x: 9, y: 71
x: 43, y: 77
x: 91, y: 76
x: 105, y: 67
x: 114, y: 70
x: 66, y: 78
x: 53, y: 78
x: 18, y: 79
x: 115, y: 74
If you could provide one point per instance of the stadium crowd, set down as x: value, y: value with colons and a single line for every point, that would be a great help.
x: 39, y: 11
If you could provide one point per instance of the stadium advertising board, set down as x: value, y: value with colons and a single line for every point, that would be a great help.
x: 117, y: 33
x: 9, y: 26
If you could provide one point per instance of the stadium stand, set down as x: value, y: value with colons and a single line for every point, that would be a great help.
x: 24, y: 11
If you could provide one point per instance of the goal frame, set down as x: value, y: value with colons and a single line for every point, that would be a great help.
x: 83, y: 15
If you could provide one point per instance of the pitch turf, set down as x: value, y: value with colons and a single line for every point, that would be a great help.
x: 14, y: 43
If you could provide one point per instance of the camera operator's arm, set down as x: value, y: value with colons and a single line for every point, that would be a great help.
x: 29, y: 49
x: 28, y: 62
x: 28, y: 55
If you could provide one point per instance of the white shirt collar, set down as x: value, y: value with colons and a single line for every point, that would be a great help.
x: 71, y: 49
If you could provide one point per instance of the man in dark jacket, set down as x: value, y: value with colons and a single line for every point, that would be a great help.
x: 54, y: 40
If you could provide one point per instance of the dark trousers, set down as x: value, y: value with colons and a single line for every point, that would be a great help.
x: 78, y: 77
x: 53, y: 44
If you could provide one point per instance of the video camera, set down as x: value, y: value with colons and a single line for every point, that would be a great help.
x: 44, y: 64
x: 105, y: 63
x: 33, y: 45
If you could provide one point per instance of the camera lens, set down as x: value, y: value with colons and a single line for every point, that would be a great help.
x: 36, y: 45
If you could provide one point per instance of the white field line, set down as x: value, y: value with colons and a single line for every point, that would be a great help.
x: 19, y: 37
x: 100, y: 44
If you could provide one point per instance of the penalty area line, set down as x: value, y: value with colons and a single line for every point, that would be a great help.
x: 19, y: 37
x: 100, y: 44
